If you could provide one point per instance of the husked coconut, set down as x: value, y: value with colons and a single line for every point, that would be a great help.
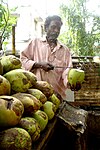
x: 20, y: 80
x: 5, y: 87
x: 15, y: 139
x: 11, y: 111
x: 10, y: 62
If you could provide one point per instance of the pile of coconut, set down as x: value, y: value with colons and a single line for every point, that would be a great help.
x: 26, y: 105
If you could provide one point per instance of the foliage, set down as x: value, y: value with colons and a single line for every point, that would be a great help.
x: 81, y: 39
x: 6, y: 21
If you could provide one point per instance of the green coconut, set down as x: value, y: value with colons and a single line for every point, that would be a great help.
x: 5, y: 87
x: 15, y: 139
x: 46, y: 88
x: 1, y: 68
x: 10, y: 62
x: 76, y: 76
x: 49, y: 108
x: 20, y: 80
x: 38, y: 94
x: 31, y: 126
x: 31, y: 103
x: 41, y: 118
x: 11, y: 111
x: 55, y: 100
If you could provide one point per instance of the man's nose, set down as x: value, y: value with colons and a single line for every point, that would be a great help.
x: 56, y: 31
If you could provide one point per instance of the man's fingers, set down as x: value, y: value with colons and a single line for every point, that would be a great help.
x: 78, y: 86
x: 75, y: 88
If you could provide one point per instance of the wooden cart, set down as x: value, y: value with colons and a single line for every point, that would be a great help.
x: 77, y: 124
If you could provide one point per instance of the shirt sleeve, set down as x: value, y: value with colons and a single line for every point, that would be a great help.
x: 27, y: 56
x: 69, y: 66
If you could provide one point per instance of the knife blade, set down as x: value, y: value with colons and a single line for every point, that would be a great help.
x: 62, y: 67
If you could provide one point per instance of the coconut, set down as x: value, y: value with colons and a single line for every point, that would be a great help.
x: 10, y: 62
x: 5, y: 87
x: 55, y: 100
x: 1, y: 68
x: 41, y: 118
x: 20, y: 80
x: 31, y: 126
x: 76, y: 76
x: 15, y: 139
x: 31, y: 103
x: 46, y: 88
x: 38, y: 94
x: 49, y: 108
x: 11, y: 111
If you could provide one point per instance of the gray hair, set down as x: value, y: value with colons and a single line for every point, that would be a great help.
x: 51, y: 18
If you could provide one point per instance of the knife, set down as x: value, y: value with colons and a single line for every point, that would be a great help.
x: 62, y: 67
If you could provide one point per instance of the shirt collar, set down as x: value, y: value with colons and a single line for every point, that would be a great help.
x: 59, y: 44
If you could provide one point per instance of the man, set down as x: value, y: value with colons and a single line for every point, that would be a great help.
x: 43, y: 55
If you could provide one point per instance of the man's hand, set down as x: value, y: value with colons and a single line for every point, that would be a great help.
x: 44, y: 65
x: 76, y: 87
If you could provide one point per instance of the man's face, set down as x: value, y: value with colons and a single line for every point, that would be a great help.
x: 53, y: 30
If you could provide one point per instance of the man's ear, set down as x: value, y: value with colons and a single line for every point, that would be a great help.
x: 45, y: 28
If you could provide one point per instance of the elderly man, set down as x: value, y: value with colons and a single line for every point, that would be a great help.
x: 43, y: 55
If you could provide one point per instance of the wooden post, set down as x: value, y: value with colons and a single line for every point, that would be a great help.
x: 13, y: 40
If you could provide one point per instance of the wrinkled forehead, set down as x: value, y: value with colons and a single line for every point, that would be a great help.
x: 55, y: 23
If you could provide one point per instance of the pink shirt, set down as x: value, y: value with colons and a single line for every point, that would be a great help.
x: 39, y: 50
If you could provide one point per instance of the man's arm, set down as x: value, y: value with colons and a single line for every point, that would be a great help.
x: 27, y: 55
x: 43, y: 65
